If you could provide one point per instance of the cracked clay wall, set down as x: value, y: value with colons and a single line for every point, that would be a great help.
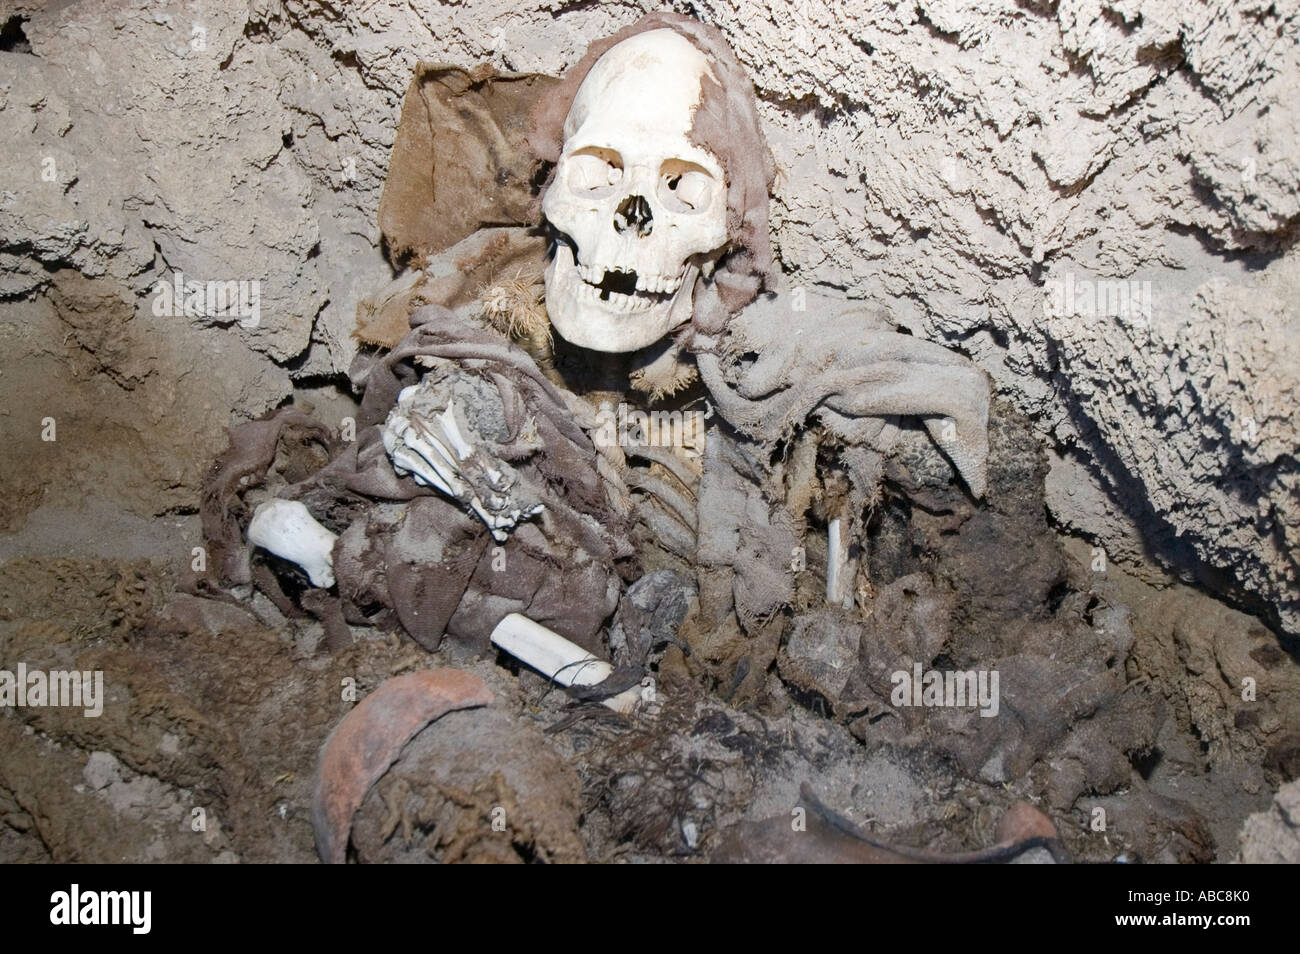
x: 1097, y: 201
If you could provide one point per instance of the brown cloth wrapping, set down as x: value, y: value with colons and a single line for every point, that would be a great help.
x: 418, y: 558
x: 459, y: 199
x: 460, y: 161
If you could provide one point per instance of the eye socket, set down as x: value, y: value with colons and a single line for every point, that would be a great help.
x: 593, y: 170
x: 686, y: 186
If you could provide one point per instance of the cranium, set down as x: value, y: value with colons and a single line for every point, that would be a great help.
x: 640, y: 209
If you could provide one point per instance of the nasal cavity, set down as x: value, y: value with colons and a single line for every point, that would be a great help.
x: 634, y: 213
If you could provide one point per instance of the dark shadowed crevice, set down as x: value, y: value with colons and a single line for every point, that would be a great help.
x: 12, y: 37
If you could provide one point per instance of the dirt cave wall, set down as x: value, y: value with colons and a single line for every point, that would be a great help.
x: 1095, y: 201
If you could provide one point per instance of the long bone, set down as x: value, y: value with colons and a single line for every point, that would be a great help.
x: 840, y: 567
x: 558, y: 659
x: 287, y: 529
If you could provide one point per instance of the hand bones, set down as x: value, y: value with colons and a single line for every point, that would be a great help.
x: 424, y: 439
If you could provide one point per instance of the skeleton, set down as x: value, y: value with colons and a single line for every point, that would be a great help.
x: 643, y: 230
x: 639, y: 213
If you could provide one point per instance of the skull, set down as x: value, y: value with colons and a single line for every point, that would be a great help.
x: 641, y: 210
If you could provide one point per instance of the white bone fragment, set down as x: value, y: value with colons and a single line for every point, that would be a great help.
x: 287, y: 529
x: 421, y: 469
x: 558, y: 659
x: 462, y: 447
x: 840, y: 569
x: 422, y: 447
x: 500, y: 524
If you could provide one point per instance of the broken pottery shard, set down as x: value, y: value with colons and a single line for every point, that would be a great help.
x: 1022, y: 822
x: 368, y: 740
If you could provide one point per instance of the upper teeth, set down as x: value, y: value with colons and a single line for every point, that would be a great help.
x: 655, y: 284
x: 661, y: 284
